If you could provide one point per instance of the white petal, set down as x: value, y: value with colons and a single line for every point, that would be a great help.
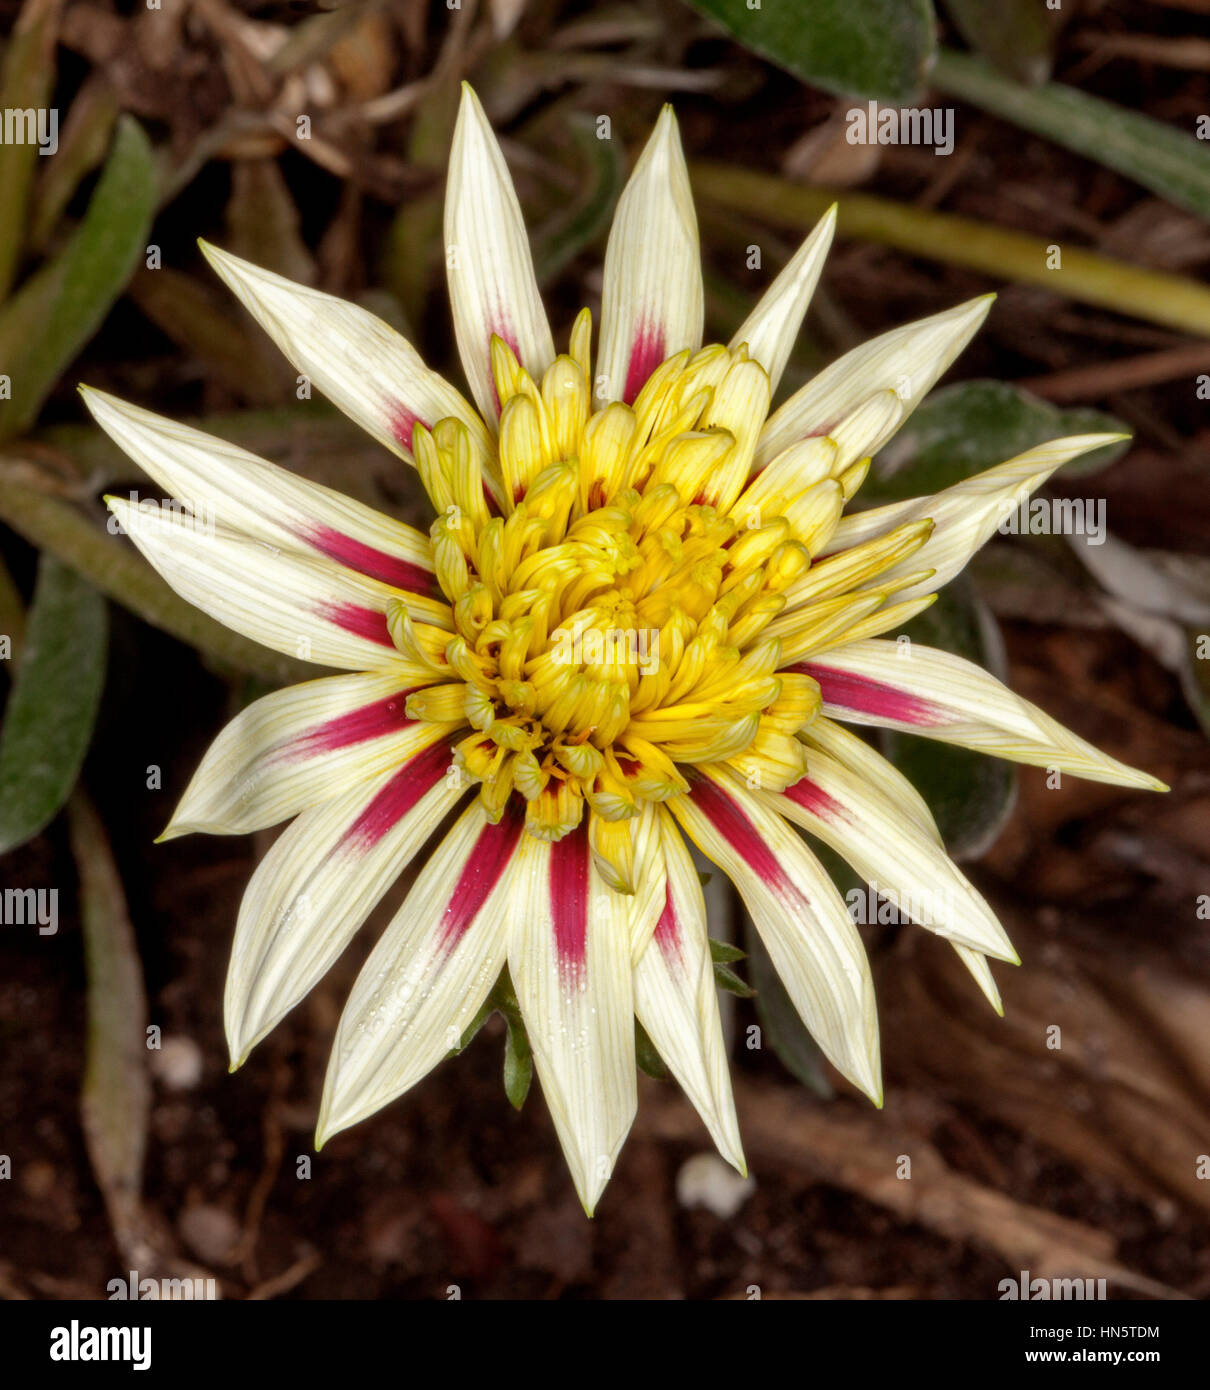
x: 299, y: 746
x: 318, y: 884
x: 569, y: 958
x: 652, y: 304
x: 308, y: 608
x: 221, y: 482
x: 359, y: 362
x: 801, y: 917
x: 490, y: 271
x: 922, y: 690
x: 676, y: 999
x: 426, y: 978
x: 981, y: 972
x: 907, y: 360
x: 879, y: 772
x: 771, y: 328
x: 889, y: 850
x: 966, y: 515
x: 857, y: 755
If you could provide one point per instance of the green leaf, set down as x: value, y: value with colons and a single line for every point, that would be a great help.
x: 724, y: 952
x: 970, y: 795
x: 781, y: 1026
x: 878, y: 48
x: 646, y: 1055
x: 963, y: 429
x: 115, y: 1099
x: 27, y: 78
x: 87, y: 276
x: 726, y: 978
x: 53, y: 705
x: 1170, y: 162
x: 1156, y: 296
x: 518, y: 1061
x: 83, y: 143
x: 1015, y: 35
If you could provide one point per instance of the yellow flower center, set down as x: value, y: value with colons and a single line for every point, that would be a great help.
x: 610, y: 603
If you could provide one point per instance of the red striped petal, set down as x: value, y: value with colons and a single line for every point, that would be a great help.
x: 402, y: 422
x: 735, y: 827
x: 397, y: 797
x: 569, y: 859
x: 645, y: 356
x: 368, y: 560
x: 359, y: 620
x: 485, y: 864
x: 865, y: 696
x: 668, y: 935
x: 385, y: 716
x: 814, y: 799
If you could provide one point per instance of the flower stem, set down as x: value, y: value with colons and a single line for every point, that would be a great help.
x: 1156, y: 296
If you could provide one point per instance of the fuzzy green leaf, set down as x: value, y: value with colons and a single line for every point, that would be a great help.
x: 78, y: 288
x: 880, y: 48
x: 51, y: 710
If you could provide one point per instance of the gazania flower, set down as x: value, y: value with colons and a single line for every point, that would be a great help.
x: 640, y: 615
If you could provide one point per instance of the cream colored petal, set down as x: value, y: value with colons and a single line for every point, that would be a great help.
x: 308, y: 608
x: 220, y: 482
x: 570, y: 961
x: 427, y: 977
x: 652, y: 305
x: 878, y: 772
x: 889, y: 850
x: 676, y: 999
x: 299, y: 746
x: 866, y: 762
x: 966, y: 515
x: 318, y: 884
x: 489, y: 267
x: 771, y: 328
x: 802, y: 919
x: 925, y: 691
x: 359, y: 362
x: 907, y: 361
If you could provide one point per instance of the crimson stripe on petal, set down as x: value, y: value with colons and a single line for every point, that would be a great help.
x: 813, y: 798
x: 668, y: 931
x: 645, y: 356
x: 396, y: 798
x: 569, y: 901
x: 402, y: 423
x: 733, y: 825
x: 368, y: 560
x: 359, y: 620
x: 484, y: 865
x: 865, y: 696
x: 385, y: 716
